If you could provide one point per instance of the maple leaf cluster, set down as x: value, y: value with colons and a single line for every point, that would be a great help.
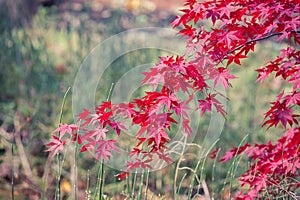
x: 273, y: 166
x: 94, y: 137
x: 236, y: 27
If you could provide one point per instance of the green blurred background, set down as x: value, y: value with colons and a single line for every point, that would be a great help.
x: 43, y: 43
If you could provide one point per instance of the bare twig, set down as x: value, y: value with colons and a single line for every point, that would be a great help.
x: 258, y: 39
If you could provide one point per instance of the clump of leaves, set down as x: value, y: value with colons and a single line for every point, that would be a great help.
x: 236, y: 28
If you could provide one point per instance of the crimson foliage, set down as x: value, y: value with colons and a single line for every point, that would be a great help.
x: 236, y: 27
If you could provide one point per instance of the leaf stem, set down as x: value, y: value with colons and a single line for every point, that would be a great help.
x: 147, y: 181
x: 12, y: 173
x: 101, y: 188
x: 87, y: 192
x: 133, y: 185
x: 141, y: 186
x: 57, y: 192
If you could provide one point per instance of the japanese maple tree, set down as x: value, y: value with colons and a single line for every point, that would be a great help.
x: 236, y: 27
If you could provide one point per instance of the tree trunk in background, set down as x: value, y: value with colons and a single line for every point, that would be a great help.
x: 17, y: 13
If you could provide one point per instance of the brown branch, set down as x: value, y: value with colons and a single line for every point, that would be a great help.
x: 21, y: 150
x: 258, y: 39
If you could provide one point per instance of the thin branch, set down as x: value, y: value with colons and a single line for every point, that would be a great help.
x: 21, y: 150
x: 258, y: 39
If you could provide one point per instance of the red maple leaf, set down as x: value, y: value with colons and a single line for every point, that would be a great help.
x: 65, y: 128
x: 208, y: 102
x: 221, y: 76
x: 104, y: 149
x: 122, y: 176
x: 55, y: 145
x: 213, y: 154
x: 234, y: 152
x: 83, y: 115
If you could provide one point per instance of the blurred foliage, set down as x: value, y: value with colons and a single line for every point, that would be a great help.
x: 41, y: 50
